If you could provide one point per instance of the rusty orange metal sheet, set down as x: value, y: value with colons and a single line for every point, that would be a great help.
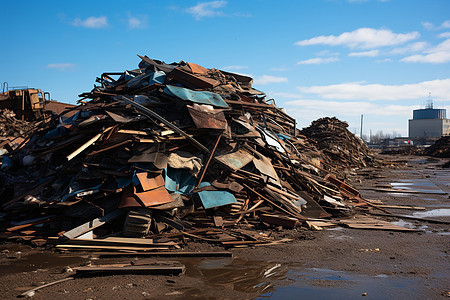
x: 129, y: 198
x: 197, y: 69
x: 207, y: 120
x: 155, y: 197
x: 150, y: 183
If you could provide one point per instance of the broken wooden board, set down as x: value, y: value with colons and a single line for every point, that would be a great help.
x: 91, y: 225
x: 140, y: 269
x: 370, y: 223
x: 116, y: 248
x: 121, y: 242
x: 167, y: 254
x: 279, y: 220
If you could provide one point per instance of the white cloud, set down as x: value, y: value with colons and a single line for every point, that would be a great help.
x: 326, y: 53
x: 137, y: 22
x: 235, y: 67
x: 371, y: 92
x: 444, y: 35
x: 284, y: 95
x: 61, y: 67
x: 371, y: 53
x: 428, y: 25
x: 351, y: 108
x: 384, y: 60
x: 436, y: 55
x: 318, y: 60
x: 266, y: 79
x: 91, y: 22
x: 411, y: 48
x: 445, y: 25
x: 364, y: 38
x: 206, y: 9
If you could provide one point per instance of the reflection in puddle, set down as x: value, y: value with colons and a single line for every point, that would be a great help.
x: 441, y: 212
x: 290, y: 281
x: 34, y: 261
x: 409, y: 225
x: 317, y: 283
x: 238, y: 274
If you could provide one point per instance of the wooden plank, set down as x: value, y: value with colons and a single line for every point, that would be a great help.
x: 117, y: 241
x: 168, y: 254
x: 141, y: 269
x: 91, y: 225
x: 93, y: 247
x: 84, y: 146
x: 369, y: 223
x: 30, y: 293
x: 279, y: 220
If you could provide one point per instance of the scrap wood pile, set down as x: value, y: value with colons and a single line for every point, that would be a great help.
x: 331, y: 136
x: 172, y: 152
x: 441, y: 148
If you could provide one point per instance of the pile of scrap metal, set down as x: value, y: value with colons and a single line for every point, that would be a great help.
x: 10, y: 126
x: 332, y: 138
x: 170, y: 152
x: 441, y: 148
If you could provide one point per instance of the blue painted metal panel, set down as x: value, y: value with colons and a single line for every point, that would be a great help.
x: 212, y: 199
x: 195, y: 96
x: 179, y: 180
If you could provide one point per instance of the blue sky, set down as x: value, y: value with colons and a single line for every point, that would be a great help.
x: 342, y: 58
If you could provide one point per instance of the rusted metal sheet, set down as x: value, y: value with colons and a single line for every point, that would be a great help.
x: 235, y: 160
x: 208, y: 120
x: 149, y: 183
x: 193, y: 81
x: 154, y: 197
x: 132, y: 198
x: 197, y: 69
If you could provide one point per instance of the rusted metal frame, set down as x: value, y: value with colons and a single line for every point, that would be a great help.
x: 208, y: 161
x: 300, y: 217
x: 149, y: 114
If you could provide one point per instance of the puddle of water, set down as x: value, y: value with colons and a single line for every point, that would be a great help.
x: 436, y: 205
x: 15, y: 262
x: 441, y: 212
x: 330, y: 284
x: 239, y: 274
x: 291, y: 281
x: 409, y: 225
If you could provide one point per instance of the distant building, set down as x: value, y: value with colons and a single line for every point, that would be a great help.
x: 429, y: 122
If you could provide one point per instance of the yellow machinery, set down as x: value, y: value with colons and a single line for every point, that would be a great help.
x: 27, y: 103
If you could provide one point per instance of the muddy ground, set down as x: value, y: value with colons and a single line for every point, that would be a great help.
x: 337, y: 263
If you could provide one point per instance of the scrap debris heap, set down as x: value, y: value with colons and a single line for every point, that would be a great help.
x: 175, y: 152
x: 337, y: 144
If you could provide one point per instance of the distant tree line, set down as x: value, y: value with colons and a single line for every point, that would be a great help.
x: 379, y: 136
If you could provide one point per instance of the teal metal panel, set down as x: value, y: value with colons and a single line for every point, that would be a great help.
x: 195, y: 96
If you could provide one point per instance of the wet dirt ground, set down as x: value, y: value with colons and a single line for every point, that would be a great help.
x: 337, y: 263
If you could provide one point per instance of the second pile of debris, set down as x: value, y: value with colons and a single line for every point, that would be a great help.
x: 175, y: 151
